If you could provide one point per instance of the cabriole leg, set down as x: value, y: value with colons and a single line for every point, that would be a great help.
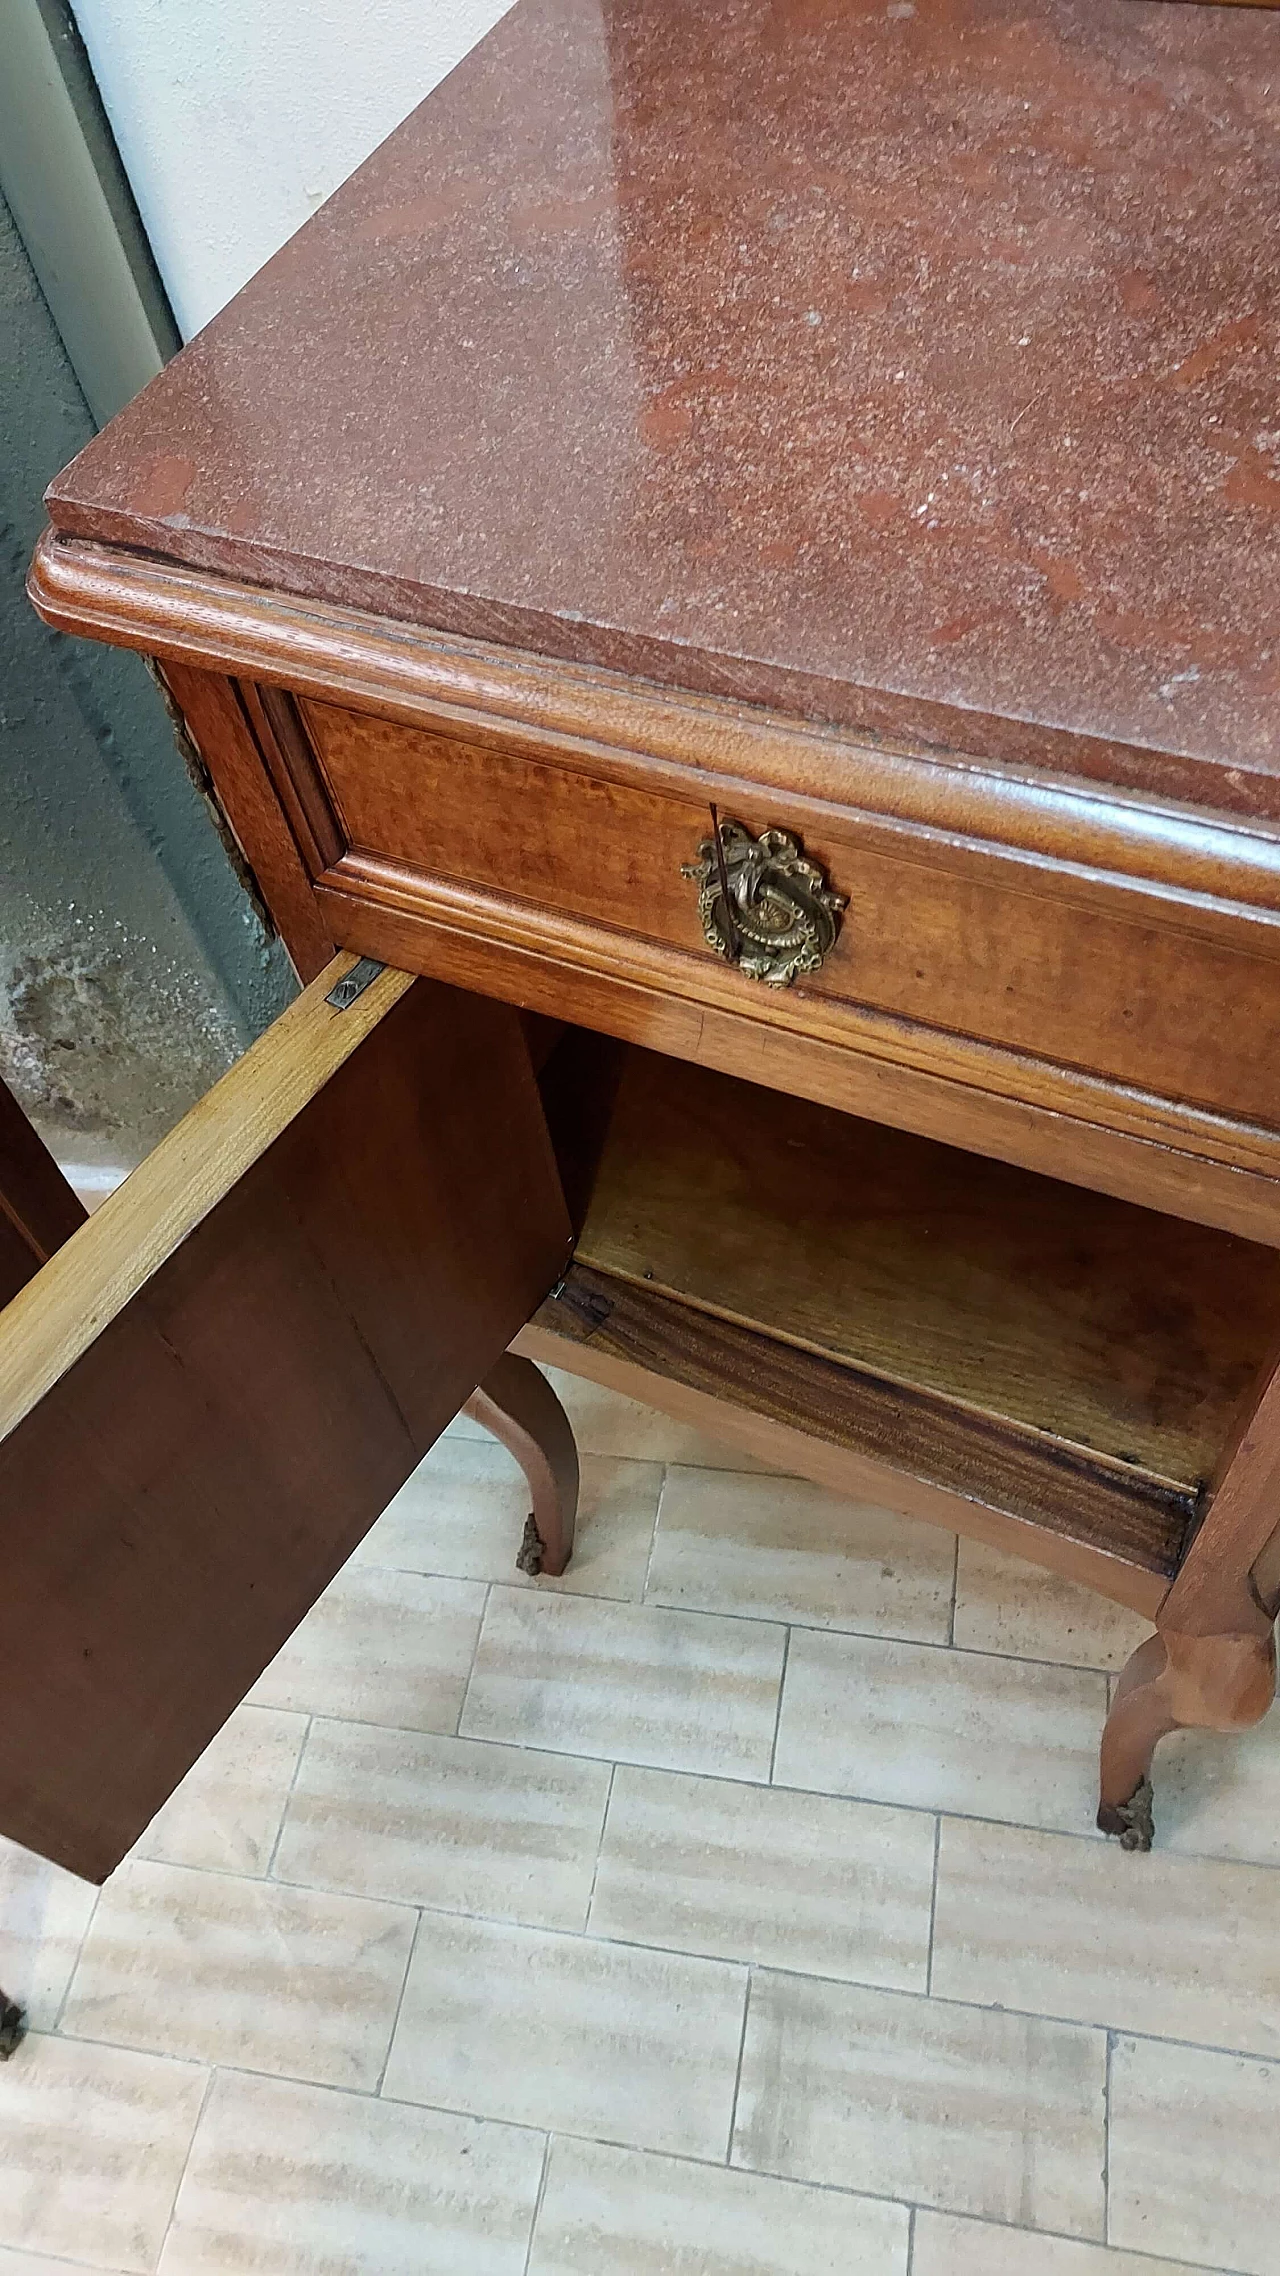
x: 516, y: 1402
x: 1177, y: 1682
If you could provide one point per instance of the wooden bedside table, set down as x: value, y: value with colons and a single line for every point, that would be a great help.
x: 743, y: 548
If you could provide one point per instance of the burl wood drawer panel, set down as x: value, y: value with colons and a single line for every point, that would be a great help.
x: 972, y: 943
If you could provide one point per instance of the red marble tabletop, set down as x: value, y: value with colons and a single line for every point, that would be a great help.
x: 911, y: 366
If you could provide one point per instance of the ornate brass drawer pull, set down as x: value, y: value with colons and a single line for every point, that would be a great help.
x: 763, y: 905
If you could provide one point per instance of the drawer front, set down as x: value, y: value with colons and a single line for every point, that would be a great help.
x: 958, y: 940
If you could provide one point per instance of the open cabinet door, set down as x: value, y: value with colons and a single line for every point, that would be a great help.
x: 38, y: 1209
x: 212, y: 1390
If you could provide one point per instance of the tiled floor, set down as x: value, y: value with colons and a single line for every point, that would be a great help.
x: 731, y: 1908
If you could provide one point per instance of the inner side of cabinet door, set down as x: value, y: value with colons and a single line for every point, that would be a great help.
x: 210, y: 1393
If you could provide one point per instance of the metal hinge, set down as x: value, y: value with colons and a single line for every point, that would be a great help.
x: 588, y: 1303
x: 354, y: 983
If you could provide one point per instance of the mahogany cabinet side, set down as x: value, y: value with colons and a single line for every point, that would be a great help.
x: 215, y: 1387
x: 251, y: 780
x: 1212, y: 1661
x: 1061, y: 1120
x: 38, y: 1209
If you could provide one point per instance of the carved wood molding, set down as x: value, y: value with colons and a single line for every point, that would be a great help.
x: 1176, y: 864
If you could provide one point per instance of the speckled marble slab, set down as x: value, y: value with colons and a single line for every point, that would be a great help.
x: 910, y: 367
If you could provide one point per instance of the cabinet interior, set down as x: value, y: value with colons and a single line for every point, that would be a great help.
x: 1076, y: 1358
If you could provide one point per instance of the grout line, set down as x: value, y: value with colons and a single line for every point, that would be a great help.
x: 537, y: 2202
x: 720, y: 1777
x: 404, y: 1985
x: 1085, y: 1832
x: 1106, y: 2140
x: 933, y: 1902
x: 911, y: 2241
x: 79, y: 2267
x: 777, y: 1719
x: 777, y: 1618
x: 675, y: 2157
x: 951, y: 1623
x: 595, y: 1870
x: 489, y: 1587
x: 204, y: 2104
x: 704, y: 1959
x: 260, y: 1882
x: 74, y: 1969
x: 268, y: 1871
x: 653, y: 1537
x: 737, y: 2076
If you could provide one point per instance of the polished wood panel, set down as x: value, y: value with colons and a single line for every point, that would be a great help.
x: 216, y: 1385
x: 1121, y: 1512
x: 1020, y: 708
x: 943, y: 938
x: 1158, y: 871
x: 793, y: 1448
x: 1019, y: 1297
x: 38, y: 1209
x: 220, y: 728
x: 517, y: 1404
x: 1212, y: 1661
x: 1018, y: 1109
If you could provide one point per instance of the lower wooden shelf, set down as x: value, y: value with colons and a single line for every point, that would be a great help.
x: 1024, y: 1346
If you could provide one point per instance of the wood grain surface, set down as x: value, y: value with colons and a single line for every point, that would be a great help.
x: 1082, y: 968
x: 218, y: 1383
x: 38, y: 1209
x: 1120, y: 1511
x: 1060, y: 1121
x: 1066, y: 1313
x: 786, y: 1439
x: 248, y: 793
x: 1095, y: 952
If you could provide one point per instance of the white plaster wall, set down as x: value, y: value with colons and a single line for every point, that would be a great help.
x: 236, y: 118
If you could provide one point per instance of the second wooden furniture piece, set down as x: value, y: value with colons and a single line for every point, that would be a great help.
x: 750, y: 565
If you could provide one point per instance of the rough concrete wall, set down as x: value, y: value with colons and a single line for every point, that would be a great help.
x: 235, y: 120
x: 132, y: 969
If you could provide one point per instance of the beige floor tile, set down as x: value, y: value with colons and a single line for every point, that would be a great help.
x: 610, y: 2212
x: 789, y: 1880
x: 1218, y: 1793
x: 1193, y: 2156
x: 947, y: 2246
x: 446, y: 1822
x: 1005, y: 1605
x: 561, y: 2031
x: 783, y: 1549
x: 959, y: 2107
x: 380, y: 1647
x: 242, y: 1972
x: 92, y: 2146
x: 39, y: 2264
x: 606, y: 1423
x: 1175, y: 1946
x: 680, y: 1690
x: 463, y: 1512
x: 226, y: 1814
x: 294, y: 2181
x: 939, y: 1730
x: 44, y: 1913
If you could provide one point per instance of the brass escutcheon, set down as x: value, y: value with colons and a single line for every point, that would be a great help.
x: 764, y: 906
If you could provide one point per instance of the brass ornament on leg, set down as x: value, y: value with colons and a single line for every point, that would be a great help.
x: 764, y: 905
